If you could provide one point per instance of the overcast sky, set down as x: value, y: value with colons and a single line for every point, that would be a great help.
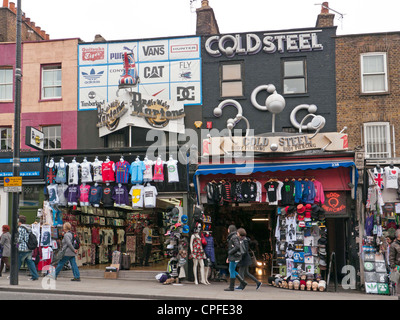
x: 137, y: 19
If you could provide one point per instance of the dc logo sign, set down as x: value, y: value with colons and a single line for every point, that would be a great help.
x: 185, y: 93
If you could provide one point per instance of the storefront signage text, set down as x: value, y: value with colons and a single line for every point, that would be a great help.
x: 110, y: 115
x: 335, y: 203
x: 272, y: 42
x: 156, y: 111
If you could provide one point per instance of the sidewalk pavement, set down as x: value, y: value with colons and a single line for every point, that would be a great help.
x: 141, y: 289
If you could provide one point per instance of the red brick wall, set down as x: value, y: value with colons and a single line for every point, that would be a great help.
x: 354, y: 108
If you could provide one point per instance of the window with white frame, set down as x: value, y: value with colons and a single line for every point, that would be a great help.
x: 294, y: 76
x: 374, y: 72
x: 6, y: 84
x: 231, y: 79
x: 51, y: 82
x: 377, y: 140
x: 52, y: 137
x: 5, y: 138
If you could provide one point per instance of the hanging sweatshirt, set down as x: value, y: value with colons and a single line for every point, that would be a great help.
x: 107, y: 196
x: 319, y: 192
x: 84, y: 191
x: 298, y: 191
x: 95, y: 194
x: 120, y: 195
x: 309, y: 185
x: 61, y: 194
x: 72, y: 193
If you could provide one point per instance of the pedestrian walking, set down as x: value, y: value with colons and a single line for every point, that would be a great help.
x: 394, y: 259
x: 234, y: 256
x: 24, y: 253
x: 5, y: 243
x: 245, y: 262
x: 68, y: 253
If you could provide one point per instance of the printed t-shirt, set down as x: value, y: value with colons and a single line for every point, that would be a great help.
x: 150, y: 193
x: 73, y: 173
x: 148, y: 235
x: 148, y: 173
x: 122, y: 171
x: 97, y: 165
x: 107, y: 171
x: 137, y: 196
x: 86, y: 175
x: 159, y: 171
x: 172, y: 167
x: 136, y: 171
x: 392, y: 176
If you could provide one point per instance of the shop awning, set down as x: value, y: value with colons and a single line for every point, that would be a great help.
x: 249, y: 168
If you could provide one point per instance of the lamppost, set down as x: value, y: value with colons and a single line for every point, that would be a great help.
x: 16, y: 150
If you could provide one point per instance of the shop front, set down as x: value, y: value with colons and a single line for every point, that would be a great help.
x: 296, y: 209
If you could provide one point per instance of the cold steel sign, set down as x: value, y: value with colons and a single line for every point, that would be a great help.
x: 168, y: 69
x: 251, y: 43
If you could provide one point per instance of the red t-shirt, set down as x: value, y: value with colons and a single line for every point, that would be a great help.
x: 107, y: 171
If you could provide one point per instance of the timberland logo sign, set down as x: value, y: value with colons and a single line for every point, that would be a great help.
x: 157, y: 112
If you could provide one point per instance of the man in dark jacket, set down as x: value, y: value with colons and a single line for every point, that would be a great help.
x: 234, y: 256
x: 394, y: 260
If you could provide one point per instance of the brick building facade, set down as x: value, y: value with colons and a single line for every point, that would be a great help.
x: 8, y: 25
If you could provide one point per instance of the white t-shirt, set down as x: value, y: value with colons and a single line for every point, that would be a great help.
x: 150, y: 193
x: 392, y: 176
x: 86, y: 175
x: 172, y: 167
x: 137, y: 196
x: 148, y: 173
x: 73, y: 173
x: 97, y: 177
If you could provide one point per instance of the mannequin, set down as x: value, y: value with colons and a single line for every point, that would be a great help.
x: 198, y: 255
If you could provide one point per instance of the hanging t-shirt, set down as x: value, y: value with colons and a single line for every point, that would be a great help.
x: 120, y: 195
x: 97, y: 177
x: 287, y: 193
x: 51, y: 174
x: 379, y: 177
x: 158, y: 170
x: 272, y: 189
x: 108, y: 171
x: 137, y: 196
x: 259, y: 191
x: 61, y: 176
x: 392, y: 176
x: 73, y: 173
x: 172, y: 166
x: 62, y: 201
x: 86, y: 175
x: 136, y: 170
x: 150, y: 194
x: 122, y: 171
x: 53, y: 196
x: 148, y: 173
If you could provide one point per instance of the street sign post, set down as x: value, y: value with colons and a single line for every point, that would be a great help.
x: 13, y: 184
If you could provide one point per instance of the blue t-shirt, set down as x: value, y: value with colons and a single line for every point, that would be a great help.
x: 136, y: 170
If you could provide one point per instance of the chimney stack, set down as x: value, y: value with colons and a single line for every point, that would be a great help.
x: 206, y: 23
x: 325, y: 19
x: 5, y: 3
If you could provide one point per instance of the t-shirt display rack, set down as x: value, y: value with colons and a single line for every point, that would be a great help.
x: 379, y: 222
x: 94, y: 198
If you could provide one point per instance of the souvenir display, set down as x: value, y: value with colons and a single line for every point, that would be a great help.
x: 381, y: 221
x: 98, y: 198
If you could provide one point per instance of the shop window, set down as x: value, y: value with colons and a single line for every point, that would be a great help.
x: 377, y: 140
x: 294, y: 76
x: 6, y: 84
x: 6, y: 138
x: 231, y: 75
x: 52, y: 137
x: 51, y: 82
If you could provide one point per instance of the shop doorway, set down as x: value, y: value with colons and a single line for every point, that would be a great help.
x: 337, y: 242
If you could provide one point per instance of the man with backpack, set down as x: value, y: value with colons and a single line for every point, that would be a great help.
x: 25, y: 247
x: 70, y: 246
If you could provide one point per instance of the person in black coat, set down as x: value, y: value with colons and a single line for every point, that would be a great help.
x: 234, y: 256
x: 245, y: 262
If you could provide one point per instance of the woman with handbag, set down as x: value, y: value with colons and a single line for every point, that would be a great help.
x: 246, y: 260
x: 5, y: 243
